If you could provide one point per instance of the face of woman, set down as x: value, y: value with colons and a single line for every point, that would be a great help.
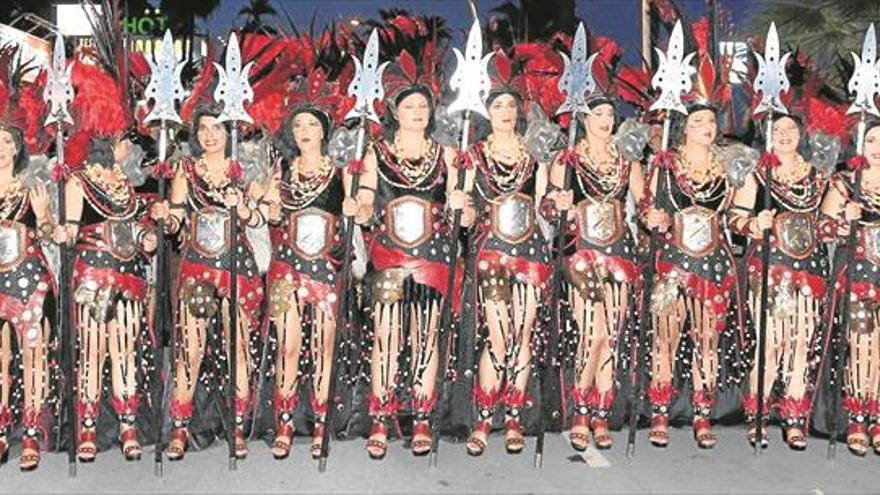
x: 503, y: 113
x: 307, y: 132
x: 701, y: 127
x: 8, y: 150
x: 600, y: 121
x: 211, y: 134
x: 872, y: 147
x: 414, y: 112
x: 786, y: 135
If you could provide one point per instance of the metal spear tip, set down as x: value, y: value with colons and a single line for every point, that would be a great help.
x: 865, y: 80
x: 366, y: 85
x: 771, y: 80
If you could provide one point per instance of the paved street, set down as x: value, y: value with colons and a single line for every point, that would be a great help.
x: 681, y: 468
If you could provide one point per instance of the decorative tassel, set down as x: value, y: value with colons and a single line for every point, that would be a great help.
x: 235, y: 171
x: 163, y: 170
x: 769, y: 160
x: 858, y: 162
x: 356, y: 167
x: 60, y: 172
x: 665, y: 160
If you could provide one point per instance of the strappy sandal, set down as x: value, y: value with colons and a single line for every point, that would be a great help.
x: 86, y: 450
x: 513, y: 436
x: 241, y: 448
x: 317, y: 440
x: 422, y: 446
x: 857, y: 439
x: 4, y: 449
x: 377, y: 448
x: 703, y: 433
x: 476, y: 445
x: 601, y: 434
x: 283, y: 440
x: 752, y: 435
x: 795, y: 438
x: 659, y: 432
x: 177, y: 444
x: 580, y: 440
x: 874, y: 433
x: 30, y: 453
x: 131, y: 447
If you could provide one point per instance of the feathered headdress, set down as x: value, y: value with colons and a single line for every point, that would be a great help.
x: 711, y: 86
x: 21, y: 103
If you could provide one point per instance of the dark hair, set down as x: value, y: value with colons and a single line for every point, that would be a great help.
x: 581, y: 130
x: 101, y: 151
x: 483, y: 125
x: 679, y: 123
x: 206, y: 111
x: 287, y: 143
x: 390, y: 118
x: 803, y: 146
x: 21, y: 152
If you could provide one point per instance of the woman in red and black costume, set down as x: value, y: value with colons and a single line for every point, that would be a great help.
x: 405, y: 197
x: 695, y: 291
x: 861, y: 374
x: 305, y: 204
x: 205, y: 186
x: 27, y: 287
x: 600, y: 264
x: 106, y: 221
x: 512, y: 261
x: 798, y: 268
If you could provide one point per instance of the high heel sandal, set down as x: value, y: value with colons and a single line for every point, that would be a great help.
x: 476, y: 445
x: 317, y: 440
x: 601, y: 434
x: 857, y: 438
x: 658, y: 435
x: 422, y: 446
x: 283, y: 440
x: 86, y: 450
x: 241, y: 449
x: 131, y: 447
x: 752, y: 434
x: 513, y: 436
x: 580, y: 440
x: 874, y: 433
x: 177, y: 444
x: 378, y: 448
x: 703, y: 433
x: 30, y: 452
x: 795, y: 437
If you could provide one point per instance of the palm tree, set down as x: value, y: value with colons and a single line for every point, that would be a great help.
x: 254, y: 13
x: 826, y: 30
x: 181, y: 16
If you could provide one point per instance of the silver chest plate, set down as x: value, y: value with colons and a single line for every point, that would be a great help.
x: 871, y: 242
x: 696, y: 230
x: 121, y: 239
x: 408, y: 220
x: 600, y: 223
x: 211, y: 232
x: 312, y: 231
x: 513, y: 218
x: 795, y: 235
x: 12, y: 244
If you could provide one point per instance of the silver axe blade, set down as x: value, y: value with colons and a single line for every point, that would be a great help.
x: 367, y: 83
x: 673, y: 76
x: 577, y: 80
x: 165, y: 87
x: 471, y: 80
x: 233, y: 88
x: 59, y: 91
x: 771, y: 80
x: 865, y: 80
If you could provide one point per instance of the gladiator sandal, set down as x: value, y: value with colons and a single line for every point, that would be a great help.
x: 486, y: 403
x: 380, y: 410
x: 750, y: 407
x: 422, y: 436
x: 874, y: 428
x: 241, y: 448
x: 126, y: 412
x: 320, y: 410
x: 284, y: 407
x: 514, y: 440
x: 703, y: 401
x: 5, y: 422
x: 86, y: 449
x: 178, y: 440
x: 660, y: 395
x: 579, y: 437
x: 30, y: 443
x: 857, y: 429
x: 794, y: 414
x: 601, y: 411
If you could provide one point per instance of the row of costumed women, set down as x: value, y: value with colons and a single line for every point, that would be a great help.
x: 512, y: 339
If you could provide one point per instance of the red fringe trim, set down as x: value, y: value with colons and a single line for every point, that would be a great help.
x: 664, y: 160
x: 660, y: 394
x: 285, y: 404
x: 858, y: 162
x: 125, y: 406
x: 163, y: 170
x: 181, y: 410
x: 486, y: 400
x: 425, y: 404
x: 768, y: 160
x: 356, y: 167
x: 319, y: 408
x: 790, y: 407
x: 383, y: 408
